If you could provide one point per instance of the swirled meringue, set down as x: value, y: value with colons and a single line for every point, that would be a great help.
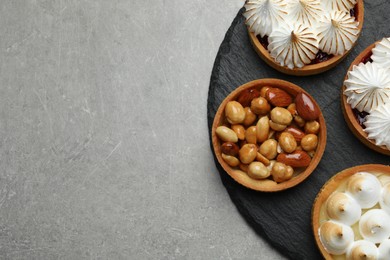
x: 384, y: 250
x: 338, y: 5
x: 293, y: 46
x: 378, y: 125
x: 362, y: 250
x: 384, y: 200
x: 367, y: 87
x: 374, y: 225
x: 365, y: 188
x: 343, y: 208
x: 335, y: 237
x: 263, y: 15
x: 381, y: 53
x: 337, y: 32
x: 305, y: 11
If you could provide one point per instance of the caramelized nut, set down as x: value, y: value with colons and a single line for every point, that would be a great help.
x: 306, y: 107
x: 230, y: 160
x: 298, y: 134
x: 276, y: 126
x: 250, y: 117
x: 295, y: 159
x: 260, y: 106
x: 312, y: 127
x: 247, y: 96
x: 280, y: 173
x: 234, y: 112
x: 309, y: 142
x: 226, y: 134
x: 261, y: 158
x: 230, y: 148
x: 299, y: 121
x: 268, y: 149
x: 250, y: 135
x: 240, y: 131
x: 248, y: 153
x: 292, y: 109
x: 257, y: 170
x: 262, y: 129
x: 281, y: 116
x: 287, y: 142
x: 278, y: 97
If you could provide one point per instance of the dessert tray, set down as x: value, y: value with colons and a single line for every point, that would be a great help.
x: 351, y: 214
x: 281, y: 217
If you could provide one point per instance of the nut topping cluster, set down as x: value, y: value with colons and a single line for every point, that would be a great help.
x: 268, y: 133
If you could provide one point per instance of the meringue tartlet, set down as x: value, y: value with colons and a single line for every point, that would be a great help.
x: 351, y: 216
x: 366, y: 96
x: 303, y: 37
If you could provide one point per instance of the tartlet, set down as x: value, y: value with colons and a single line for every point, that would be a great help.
x: 269, y: 183
x: 350, y: 215
x: 365, y: 98
x: 298, y: 53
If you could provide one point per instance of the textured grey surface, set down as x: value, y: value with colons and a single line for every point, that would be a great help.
x: 283, y: 217
x: 104, y: 150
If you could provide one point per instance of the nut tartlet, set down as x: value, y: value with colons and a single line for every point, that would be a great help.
x: 365, y: 97
x: 269, y: 135
x: 351, y: 214
x: 303, y: 37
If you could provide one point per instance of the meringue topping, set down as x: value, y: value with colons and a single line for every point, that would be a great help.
x: 342, y: 207
x: 337, y: 32
x: 384, y: 250
x: 374, y: 225
x: 293, y: 46
x: 378, y: 124
x: 305, y: 11
x: 336, y: 237
x: 263, y: 15
x: 384, y: 200
x: 365, y: 188
x: 362, y: 249
x: 381, y: 53
x: 338, y: 5
x: 367, y: 87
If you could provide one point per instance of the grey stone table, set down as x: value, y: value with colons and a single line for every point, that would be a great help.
x: 104, y: 150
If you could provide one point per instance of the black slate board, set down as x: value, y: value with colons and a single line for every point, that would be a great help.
x: 284, y: 218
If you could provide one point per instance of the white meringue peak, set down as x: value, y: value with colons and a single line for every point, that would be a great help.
x: 365, y: 188
x: 343, y: 208
x: 378, y: 124
x: 263, y: 15
x: 384, y: 250
x: 337, y: 32
x: 367, y: 87
x: 338, y: 5
x: 381, y: 53
x: 305, y: 11
x: 384, y: 200
x: 293, y: 46
x: 336, y: 237
x: 374, y: 225
x: 362, y: 249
